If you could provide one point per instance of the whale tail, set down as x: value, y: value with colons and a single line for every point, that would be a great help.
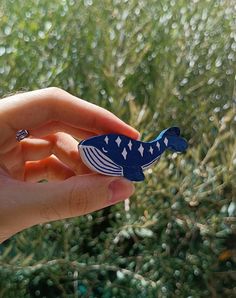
x: 175, y: 141
x: 177, y: 144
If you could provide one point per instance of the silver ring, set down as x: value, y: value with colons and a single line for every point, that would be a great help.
x: 21, y: 134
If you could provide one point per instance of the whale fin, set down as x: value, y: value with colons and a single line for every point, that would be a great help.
x: 177, y: 144
x: 133, y: 173
x: 171, y: 131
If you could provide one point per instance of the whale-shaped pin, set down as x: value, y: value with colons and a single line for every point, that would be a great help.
x: 119, y: 155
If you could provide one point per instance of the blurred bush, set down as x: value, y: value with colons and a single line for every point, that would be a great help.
x: 154, y: 64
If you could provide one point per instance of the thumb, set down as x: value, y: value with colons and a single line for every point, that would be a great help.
x: 76, y: 196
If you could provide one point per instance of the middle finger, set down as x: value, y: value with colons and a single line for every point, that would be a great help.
x: 62, y: 145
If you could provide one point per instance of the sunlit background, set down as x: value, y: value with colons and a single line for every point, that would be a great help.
x: 154, y: 64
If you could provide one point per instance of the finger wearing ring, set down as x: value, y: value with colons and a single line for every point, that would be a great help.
x: 21, y: 134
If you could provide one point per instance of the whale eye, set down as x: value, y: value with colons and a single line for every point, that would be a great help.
x: 104, y: 150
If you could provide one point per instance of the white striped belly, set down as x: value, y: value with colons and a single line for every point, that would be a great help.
x: 99, y: 162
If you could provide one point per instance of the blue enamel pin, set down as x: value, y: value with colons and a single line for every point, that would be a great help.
x: 119, y: 155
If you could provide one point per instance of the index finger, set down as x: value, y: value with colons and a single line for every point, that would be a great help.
x: 36, y: 108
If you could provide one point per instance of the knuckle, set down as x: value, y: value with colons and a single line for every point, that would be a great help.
x: 54, y: 90
x: 48, y: 213
x: 78, y: 200
x: 94, y: 122
x: 53, y: 94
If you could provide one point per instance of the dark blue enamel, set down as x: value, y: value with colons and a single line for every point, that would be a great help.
x: 119, y: 155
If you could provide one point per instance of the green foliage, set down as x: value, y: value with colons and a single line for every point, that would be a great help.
x: 154, y: 64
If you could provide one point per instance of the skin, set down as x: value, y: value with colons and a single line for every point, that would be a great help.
x: 53, y: 117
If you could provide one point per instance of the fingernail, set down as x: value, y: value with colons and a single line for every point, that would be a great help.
x: 120, y: 189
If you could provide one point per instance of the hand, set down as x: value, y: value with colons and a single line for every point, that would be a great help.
x: 52, y: 116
